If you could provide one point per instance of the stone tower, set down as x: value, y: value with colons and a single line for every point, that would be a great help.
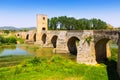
x: 42, y: 26
x: 41, y: 23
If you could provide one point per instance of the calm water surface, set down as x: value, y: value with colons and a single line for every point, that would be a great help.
x: 31, y: 50
x: 12, y: 50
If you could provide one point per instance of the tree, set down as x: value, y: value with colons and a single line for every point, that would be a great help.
x: 25, y: 29
x: 62, y: 21
x: 98, y: 24
x: 70, y: 23
x: 53, y: 23
x: 6, y: 31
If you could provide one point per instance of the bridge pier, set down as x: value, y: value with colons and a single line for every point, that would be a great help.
x: 86, y: 53
x: 62, y: 43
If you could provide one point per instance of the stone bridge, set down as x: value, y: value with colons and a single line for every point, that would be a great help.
x: 89, y: 46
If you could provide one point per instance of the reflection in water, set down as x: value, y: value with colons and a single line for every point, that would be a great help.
x: 2, y: 48
x: 31, y: 50
x: 45, y: 52
x: 12, y: 50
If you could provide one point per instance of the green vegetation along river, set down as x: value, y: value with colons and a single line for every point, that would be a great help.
x: 49, y: 66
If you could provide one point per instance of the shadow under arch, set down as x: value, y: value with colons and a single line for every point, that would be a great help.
x: 18, y: 34
x: 101, y: 57
x: 34, y: 37
x: 44, y: 38
x: 54, y: 41
x: 71, y: 44
x: 27, y: 36
x: 100, y: 50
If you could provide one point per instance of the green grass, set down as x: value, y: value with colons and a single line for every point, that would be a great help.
x: 55, y: 68
x: 12, y: 60
x: 114, y: 54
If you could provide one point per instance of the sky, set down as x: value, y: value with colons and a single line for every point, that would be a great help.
x: 22, y: 13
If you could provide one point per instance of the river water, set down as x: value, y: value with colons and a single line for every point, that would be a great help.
x: 31, y: 50
x: 12, y: 50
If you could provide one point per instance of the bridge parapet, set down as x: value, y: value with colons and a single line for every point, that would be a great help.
x: 108, y: 34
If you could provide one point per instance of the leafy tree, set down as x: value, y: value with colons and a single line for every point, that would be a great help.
x: 12, y: 40
x: 98, y: 24
x: 8, y: 40
x: 6, y: 31
x: 53, y: 23
x: 62, y: 20
x: 25, y: 29
x: 70, y: 23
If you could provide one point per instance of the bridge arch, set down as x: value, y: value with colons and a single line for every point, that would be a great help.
x: 44, y: 38
x: 34, y: 37
x: 72, y: 45
x: 18, y: 34
x: 101, y: 49
x: 54, y: 41
x: 27, y: 37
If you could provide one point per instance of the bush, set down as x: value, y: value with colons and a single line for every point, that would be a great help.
x: 57, y: 59
x: 2, y: 39
x: 20, y: 40
x: 35, y: 60
x: 12, y: 40
x: 8, y: 40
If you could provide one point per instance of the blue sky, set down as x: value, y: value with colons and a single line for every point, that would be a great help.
x: 22, y: 13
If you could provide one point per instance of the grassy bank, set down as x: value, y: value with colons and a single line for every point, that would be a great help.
x: 13, y: 60
x: 54, y: 68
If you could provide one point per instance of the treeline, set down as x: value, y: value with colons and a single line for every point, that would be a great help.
x: 71, y: 23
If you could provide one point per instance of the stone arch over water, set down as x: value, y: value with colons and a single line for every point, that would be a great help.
x: 101, y: 50
x: 72, y: 45
x: 54, y: 41
x: 44, y: 38
x: 27, y: 37
x: 34, y: 37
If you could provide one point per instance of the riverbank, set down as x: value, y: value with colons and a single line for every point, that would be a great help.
x: 55, y: 67
x: 13, y: 60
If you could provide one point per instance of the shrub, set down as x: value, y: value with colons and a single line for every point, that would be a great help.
x: 18, y: 70
x: 8, y: 40
x: 2, y: 39
x: 12, y: 40
x: 20, y: 40
x: 56, y: 59
x: 35, y: 60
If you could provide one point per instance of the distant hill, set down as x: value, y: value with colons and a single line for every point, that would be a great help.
x: 31, y: 28
x: 8, y: 28
x: 15, y: 28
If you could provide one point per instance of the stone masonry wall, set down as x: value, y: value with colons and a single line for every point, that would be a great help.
x: 85, y: 48
x: 86, y: 52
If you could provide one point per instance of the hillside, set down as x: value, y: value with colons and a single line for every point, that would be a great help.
x: 15, y: 28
